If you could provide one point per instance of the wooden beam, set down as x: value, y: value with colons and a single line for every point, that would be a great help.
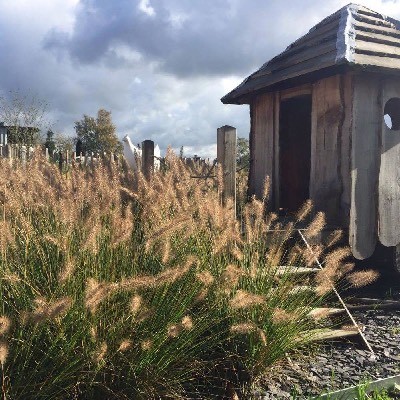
x: 147, y: 158
x: 262, y: 143
x: 365, y: 165
x: 226, y: 156
x: 275, y: 184
x: 328, y: 115
x: 389, y: 175
x: 331, y: 334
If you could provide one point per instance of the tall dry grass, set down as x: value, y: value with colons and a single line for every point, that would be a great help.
x: 116, y: 287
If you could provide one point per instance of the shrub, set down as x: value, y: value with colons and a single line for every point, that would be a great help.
x: 115, y: 287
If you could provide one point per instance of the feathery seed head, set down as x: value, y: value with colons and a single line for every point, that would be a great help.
x: 5, y: 324
x: 243, y: 328
x: 67, y: 271
x: 316, y: 225
x: 174, y: 330
x: 125, y: 345
x: 11, y: 277
x: 3, y: 352
x: 230, y: 277
x: 96, y: 292
x: 205, y: 277
x: 280, y: 316
x: 136, y: 303
x: 243, y: 300
x: 304, y: 210
x: 263, y: 337
x: 187, y: 323
x: 334, y: 238
x: 100, y: 353
x: 49, y: 310
x: 93, y: 333
x: 362, y: 278
x: 146, y: 344
x: 237, y: 253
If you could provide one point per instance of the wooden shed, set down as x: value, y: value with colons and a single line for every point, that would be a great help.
x: 325, y: 125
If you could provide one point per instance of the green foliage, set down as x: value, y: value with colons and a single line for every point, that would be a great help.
x: 25, y: 117
x: 243, y: 154
x: 49, y: 143
x: 98, y: 134
x: 362, y: 392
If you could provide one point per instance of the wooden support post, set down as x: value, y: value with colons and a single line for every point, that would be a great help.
x: 60, y: 161
x: 147, y: 158
x: 23, y: 155
x: 226, y: 156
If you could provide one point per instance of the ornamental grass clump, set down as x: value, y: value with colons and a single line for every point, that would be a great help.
x: 116, y: 287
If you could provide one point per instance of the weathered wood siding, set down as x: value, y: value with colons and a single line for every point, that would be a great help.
x: 365, y: 154
x: 330, y: 152
x: 389, y: 175
x: 262, y: 143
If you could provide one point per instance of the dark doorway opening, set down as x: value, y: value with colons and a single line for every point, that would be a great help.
x: 294, y: 152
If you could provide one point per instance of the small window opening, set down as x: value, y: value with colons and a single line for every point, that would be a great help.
x: 392, y: 114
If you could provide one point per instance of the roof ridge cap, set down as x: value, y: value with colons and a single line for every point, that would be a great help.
x: 346, y: 35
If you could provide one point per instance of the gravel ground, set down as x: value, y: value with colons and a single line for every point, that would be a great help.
x: 338, y: 365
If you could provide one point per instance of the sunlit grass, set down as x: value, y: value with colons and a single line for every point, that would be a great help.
x: 114, y: 287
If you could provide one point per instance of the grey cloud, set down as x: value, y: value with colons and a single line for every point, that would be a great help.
x: 215, y: 37
x: 161, y: 76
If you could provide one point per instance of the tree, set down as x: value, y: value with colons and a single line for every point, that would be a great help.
x: 243, y: 154
x: 25, y: 117
x: 63, y: 143
x: 49, y: 143
x: 98, y: 134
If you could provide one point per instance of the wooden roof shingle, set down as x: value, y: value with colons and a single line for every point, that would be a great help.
x: 353, y: 36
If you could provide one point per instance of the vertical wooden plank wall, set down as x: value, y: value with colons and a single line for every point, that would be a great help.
x: 365, y: 164
x: 331, y: 109
x: 262, y: 143
x: 275, y: 181
x: 346, y: 92
x: 389, y: 175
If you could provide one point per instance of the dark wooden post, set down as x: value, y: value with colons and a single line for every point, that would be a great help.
x: 226, y: 156
x: 147, y: 158
x: 60, y: 161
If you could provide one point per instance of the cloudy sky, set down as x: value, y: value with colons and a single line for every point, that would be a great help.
x: 160, y: 66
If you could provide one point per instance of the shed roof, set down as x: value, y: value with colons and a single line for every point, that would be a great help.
x: 353, y: 36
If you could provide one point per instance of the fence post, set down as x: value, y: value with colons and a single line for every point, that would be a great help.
x: 23, y: 155
x: 60, y: 161
x: 226, y: 156
x: 147, y: 158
